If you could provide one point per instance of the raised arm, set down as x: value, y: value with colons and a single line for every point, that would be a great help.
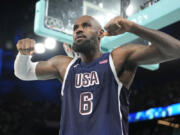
x: 164, y: 47
x: 25, y: 69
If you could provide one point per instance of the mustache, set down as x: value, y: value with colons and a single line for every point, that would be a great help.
x: 80, y: 36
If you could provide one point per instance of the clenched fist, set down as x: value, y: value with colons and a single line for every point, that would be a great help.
x: 26, y: 46
x: 118, y: 25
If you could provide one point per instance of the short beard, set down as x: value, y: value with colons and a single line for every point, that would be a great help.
x: 86, y: 47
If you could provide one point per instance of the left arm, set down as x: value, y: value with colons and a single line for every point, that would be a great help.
x: 164, y: 47
x: 166, y: 44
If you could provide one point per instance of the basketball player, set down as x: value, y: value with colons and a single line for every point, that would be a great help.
x: 95, y: 89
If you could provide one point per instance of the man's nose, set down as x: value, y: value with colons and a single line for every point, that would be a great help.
x: 79, y: 30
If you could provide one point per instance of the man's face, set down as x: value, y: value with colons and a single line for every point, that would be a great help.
x: 85, y: 35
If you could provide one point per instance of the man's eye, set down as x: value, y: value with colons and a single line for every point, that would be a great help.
x: 75, y: 27
x: 85, y: 25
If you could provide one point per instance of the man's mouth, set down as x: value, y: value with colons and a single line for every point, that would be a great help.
x: 80, y: 37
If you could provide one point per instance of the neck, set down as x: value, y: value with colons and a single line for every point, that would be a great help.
x: 90, y: 56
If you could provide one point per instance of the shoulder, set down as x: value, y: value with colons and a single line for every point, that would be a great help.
x: 121, y: 53
x: 60, y: 60
x: 120, y: 57
x: 61, y: 63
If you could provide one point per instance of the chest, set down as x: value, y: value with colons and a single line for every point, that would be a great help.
x: 83, y: 76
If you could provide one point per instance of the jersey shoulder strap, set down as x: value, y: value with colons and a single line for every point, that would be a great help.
x: 66, y: 73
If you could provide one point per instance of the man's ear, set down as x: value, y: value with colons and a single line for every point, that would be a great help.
x: 100, y: 34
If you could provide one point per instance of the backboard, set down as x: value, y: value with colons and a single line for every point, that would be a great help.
x: 55, y: 18
x: 61, y: 14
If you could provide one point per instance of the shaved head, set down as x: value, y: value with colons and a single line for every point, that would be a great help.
x: 90, y: 18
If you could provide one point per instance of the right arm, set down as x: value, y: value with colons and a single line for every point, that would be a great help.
x: 25, y: 69
x: 52, y: 68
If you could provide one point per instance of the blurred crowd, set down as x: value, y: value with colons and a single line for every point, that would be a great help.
x: 20, y: 116
x: 162, y: 94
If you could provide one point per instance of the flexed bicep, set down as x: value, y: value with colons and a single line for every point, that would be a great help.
x: 53, y: 68
x: 46, y: 70
x: 142, y: 55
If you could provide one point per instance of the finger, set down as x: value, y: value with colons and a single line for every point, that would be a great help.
x: 27, y: 44
x: 32, y: 52
x: 18, y: 46
x: 119, y: 25
x: 23, y: 42
x: 112, y: 29
x: 32, y: 44
x: 106, y: 34
x: 23, y: 47
x: 22, y: 52
x: 109, y: 23
x: 107, y: 26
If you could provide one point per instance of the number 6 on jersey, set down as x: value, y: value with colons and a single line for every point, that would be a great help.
x: 86, y: 104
